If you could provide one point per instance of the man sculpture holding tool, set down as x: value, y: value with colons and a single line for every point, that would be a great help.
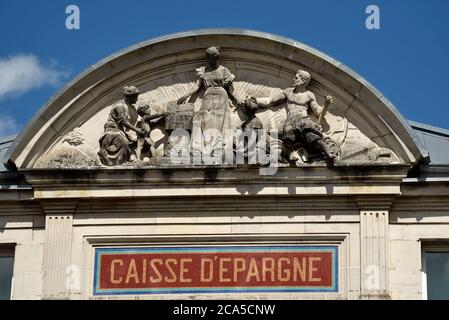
x: 299, y: 126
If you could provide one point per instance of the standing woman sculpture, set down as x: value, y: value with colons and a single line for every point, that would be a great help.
x: 214, y: 112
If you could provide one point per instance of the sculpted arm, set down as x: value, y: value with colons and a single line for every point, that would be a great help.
x: 317, y: 110
x: 269, y: 102
x: 129, y: 126
x: 195, y: 89
x: 154, y: 116
x: 120, y: 113
x: 231, y: 91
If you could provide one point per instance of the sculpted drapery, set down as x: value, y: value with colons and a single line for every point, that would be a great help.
x: 212, y: 119
x: 116, y: 141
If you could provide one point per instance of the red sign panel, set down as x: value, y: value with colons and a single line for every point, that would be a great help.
x: 217, y: 269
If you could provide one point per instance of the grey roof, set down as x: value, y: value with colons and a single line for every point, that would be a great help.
x: 5, y: 143
x: 435, y: 140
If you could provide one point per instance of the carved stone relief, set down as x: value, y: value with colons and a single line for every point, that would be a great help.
x: 136, y: 131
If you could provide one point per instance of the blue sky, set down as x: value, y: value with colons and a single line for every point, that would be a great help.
x: 407, y: 59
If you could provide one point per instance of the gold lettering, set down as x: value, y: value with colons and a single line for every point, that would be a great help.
x: 211, y: 270
x: 281, y: 270
x: 184, y: 270
x: 156, y: 271
x: 266, y: 269
x: 223, y: 269
x: 252, y: 271
x: 170, y: 269
x: 132, y: 272
x: 312, y: 269
x: 113, y: 263
x: 144, y: 271
x: 238, y: 269
x: 298, y: 268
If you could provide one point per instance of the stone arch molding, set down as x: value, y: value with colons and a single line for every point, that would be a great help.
x: 364, y: 124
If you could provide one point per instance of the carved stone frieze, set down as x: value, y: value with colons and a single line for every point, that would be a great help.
x: 138, y: 130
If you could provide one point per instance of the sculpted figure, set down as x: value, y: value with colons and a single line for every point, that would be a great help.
x: 147, y: 117
x: 117, y: 140
x: 251, y: 123
x: 299, y: 126
x: 215, y: 108
x: 249, y: 109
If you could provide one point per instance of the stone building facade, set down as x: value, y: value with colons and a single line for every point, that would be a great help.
x: 144, y: 226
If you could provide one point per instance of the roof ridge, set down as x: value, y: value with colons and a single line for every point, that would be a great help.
x: 429, y: 128
x: 10, y: 138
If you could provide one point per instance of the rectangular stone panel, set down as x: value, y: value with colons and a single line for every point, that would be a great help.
x: 180, y: 117
x: 220, y: 269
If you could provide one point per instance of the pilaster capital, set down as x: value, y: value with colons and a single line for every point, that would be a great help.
x: 58, y: 207
x: 374, y: 203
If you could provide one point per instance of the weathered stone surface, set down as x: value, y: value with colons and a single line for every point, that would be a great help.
x: 73, y: 204
x: 79, y: 148
x: 164, y: 71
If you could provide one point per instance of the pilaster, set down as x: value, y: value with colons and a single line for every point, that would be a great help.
x: 57, y: 249
x: 374, y: 246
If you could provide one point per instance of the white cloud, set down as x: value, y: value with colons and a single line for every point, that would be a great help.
x: 21, y: 73
x: 8, y: 126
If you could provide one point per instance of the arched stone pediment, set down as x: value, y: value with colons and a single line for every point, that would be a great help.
x: 365, y: 126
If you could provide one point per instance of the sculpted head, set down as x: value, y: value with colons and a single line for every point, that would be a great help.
x: 131, y: 94
x: 250, y: 106
x: 213, y: 54
x: 302, y: 78
x: 144, y: 110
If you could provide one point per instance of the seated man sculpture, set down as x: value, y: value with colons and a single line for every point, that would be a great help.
x: 117, y: 140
